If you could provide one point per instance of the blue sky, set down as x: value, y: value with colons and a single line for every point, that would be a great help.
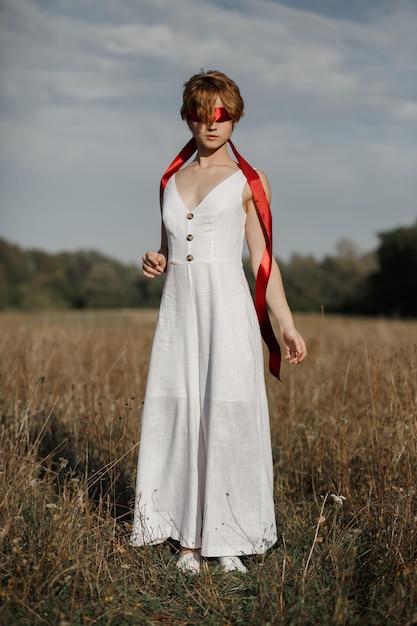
x: 90, y: 92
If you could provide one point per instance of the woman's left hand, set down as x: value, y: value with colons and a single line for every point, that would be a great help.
x: 295, y: 347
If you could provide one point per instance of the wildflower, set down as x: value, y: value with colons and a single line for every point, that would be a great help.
x: 338, y: 500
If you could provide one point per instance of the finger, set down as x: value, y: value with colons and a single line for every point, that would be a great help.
x: 300, y: 355
x: 149, y: 271
x: 152, y: 267
x: 150, y: 260
x: 296, y: 354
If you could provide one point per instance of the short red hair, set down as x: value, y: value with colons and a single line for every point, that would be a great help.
x: 200, y: 93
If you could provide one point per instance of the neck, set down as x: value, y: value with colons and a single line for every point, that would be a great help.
x: 206, y: 157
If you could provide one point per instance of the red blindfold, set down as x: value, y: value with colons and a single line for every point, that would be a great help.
x: 220, y: 115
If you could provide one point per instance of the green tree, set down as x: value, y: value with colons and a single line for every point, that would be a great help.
x: 346, y: 277
x: 303, y: 281
x: 394, y: 284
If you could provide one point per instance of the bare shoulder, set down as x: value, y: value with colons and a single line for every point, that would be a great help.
x: 247, y: 193
x: 265, y: 183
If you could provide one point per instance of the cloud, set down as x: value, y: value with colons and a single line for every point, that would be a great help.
x: 336, y: 64
x: 90, y: 94
x: 406, y: 111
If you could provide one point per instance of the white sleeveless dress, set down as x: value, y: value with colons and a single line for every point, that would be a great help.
x: 205, y: 474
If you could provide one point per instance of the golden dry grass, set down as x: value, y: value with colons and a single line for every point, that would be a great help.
x: 344, y: 423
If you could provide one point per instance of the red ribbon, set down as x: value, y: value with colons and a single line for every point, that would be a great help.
x: 265, y: 218
x: 220, y: 115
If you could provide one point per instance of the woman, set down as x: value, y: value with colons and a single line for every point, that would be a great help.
x: 205, y: 464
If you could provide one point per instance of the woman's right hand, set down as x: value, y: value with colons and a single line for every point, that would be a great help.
x: 153, y: 264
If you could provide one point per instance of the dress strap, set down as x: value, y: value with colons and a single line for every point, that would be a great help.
x: 265, y: 219
x: 181, y: 158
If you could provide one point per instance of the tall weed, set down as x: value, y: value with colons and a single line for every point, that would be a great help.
x: 344, y: 434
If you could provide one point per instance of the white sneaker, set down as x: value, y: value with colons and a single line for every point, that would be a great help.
x: 189, y: 562
x: 231, y: 564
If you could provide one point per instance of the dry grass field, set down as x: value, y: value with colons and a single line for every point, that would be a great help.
x: 344, y: 432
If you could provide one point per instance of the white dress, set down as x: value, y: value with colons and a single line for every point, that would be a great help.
x: 205, y: 474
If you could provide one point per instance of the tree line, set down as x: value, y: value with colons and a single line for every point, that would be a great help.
x: 381, y: 282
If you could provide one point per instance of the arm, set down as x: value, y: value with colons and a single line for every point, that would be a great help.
x: 275, y: 294
x: 155, y: 263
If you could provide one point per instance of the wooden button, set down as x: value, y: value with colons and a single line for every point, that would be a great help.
x: 190, y: 237
x: 190, y: 257
x: 190, y: 216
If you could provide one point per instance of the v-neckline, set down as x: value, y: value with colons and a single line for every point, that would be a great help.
x: 207, y: 194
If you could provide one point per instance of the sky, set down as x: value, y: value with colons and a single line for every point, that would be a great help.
x: 90, y: 92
